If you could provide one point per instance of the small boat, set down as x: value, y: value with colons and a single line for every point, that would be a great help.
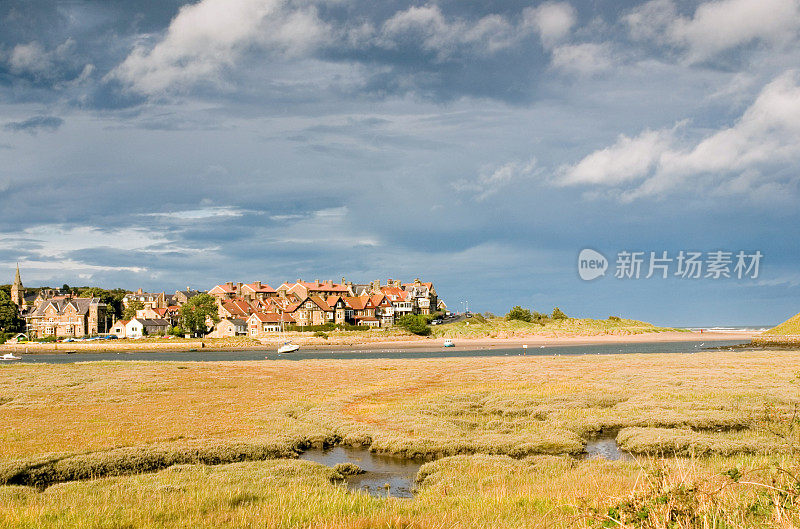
x: 449, y: 343
x: 10, y: 356
x: 288, y: 347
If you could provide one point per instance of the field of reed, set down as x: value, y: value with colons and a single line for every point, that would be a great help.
x: 148, y: 444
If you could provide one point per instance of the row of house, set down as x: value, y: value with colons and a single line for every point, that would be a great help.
x: 254, y: 309
x: 258, y: 308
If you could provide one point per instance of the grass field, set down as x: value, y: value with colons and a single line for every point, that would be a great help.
x: 790, y: 327
x: 208, y: 435
x: 501, y: 328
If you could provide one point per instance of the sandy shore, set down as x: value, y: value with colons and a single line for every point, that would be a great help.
x: 414, y: 343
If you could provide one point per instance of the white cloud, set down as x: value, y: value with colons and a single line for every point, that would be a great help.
x: 552, y: 20
x: 206, y: 37
x: 202, y: 213
x: 493, y: 179
x: 728, y: 161
x: 628, y: 159
x: 716, y: 26
x: 587, y: 58
x: 33, y: 59
x: 55, y: 240
x: 437, y: 33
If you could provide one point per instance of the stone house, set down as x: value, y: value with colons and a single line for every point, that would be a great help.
x: 68, y: 317
x: 228, y: 327
x: 261, y: 324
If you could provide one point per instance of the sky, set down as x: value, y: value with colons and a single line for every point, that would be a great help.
x: 480, y: 145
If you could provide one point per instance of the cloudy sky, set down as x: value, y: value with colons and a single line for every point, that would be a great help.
x: 478, y: 144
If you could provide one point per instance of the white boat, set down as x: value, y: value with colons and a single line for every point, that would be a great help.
x: 288, y: 346
x: 449, y: 343
x: 10, y: 356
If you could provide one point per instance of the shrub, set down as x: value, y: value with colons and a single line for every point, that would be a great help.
x: 177, y: 331
x: 479, y: 318
x: 415, y: 324
x: 518, y: 313
x: 614, y: 318
x: 558, y: 314
x: 321, y: 334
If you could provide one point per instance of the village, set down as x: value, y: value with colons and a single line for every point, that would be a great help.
x: 252, y: 309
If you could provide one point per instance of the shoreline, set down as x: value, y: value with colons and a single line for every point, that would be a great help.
x: 403, y: 343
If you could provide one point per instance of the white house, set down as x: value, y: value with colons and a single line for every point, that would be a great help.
x: 138, y: 327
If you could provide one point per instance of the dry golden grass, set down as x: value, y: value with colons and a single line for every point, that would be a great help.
x: 706, y: 403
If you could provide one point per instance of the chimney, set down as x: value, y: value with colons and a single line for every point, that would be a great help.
x: 229, y: 284
x: 329, y: 282
x: 299, y: 280
x: 239, y: 286
x: 343, y: 281
x: 316, y: 281
x: 188, y: 289
x: 257, y: 284
x: 139, y: 291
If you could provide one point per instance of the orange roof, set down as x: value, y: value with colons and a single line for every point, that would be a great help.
x: 332, y: 301
x: 238, y: 307
x: 365, y: 318
x: 255, y: 288
x: 223, y: 289
x: 423, y: 283
x: 273, y: 317
x: 318, y: 287
x: 321, y: 303
x: 359, y: 302
x: 379, y: 299
x: 396, y: 293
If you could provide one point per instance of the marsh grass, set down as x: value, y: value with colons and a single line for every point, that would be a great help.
x: 723, y: 410
x: 502, y: 328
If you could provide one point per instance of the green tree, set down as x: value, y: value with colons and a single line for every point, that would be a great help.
x: 518, y: 313
x: 112, y: 298
x: 558, y: 315
x: 414, y: 323
x: 195, y: 312
x: 10, y: 320
x: 130, y: 311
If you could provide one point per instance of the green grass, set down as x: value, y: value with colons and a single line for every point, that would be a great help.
x: 502, y: 328
x: 788, y: 328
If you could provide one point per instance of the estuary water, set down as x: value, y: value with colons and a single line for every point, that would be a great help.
x: 339, y: 353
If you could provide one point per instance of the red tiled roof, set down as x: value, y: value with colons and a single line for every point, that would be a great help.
x: 365, y: 318
x: 238, y: 307
x: 423, y: 283
x: 379, y: 299
x: 321, y: 303
x: 396, y: 293
x: 263, y: 288
x: 273, y: 317
x: 226, y: 289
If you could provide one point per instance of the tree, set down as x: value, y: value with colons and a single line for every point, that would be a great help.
x: 130, y: 311
x: 414, y: 323
x: 112, y: 298
x: 558, y: 315
x: 10, y: 320
x: 195, y: 312
x: 518, y: 313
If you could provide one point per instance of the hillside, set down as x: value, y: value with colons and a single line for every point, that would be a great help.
x: 501, y: 328
x: 788, y: 328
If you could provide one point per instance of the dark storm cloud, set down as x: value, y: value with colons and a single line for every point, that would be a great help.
x: 35, y: 124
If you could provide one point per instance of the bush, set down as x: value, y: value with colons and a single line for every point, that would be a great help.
x: 4, y: 337
x: 414, y: 324
x: 614, y: 318
x: 321, y: 334
x: 518, y: 313
x: 177, y: 331
x: 558, y: 314
x: 488, y: 315
x: 479, y: 318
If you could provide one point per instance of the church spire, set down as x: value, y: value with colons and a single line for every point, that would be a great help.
x: 17, y: 291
